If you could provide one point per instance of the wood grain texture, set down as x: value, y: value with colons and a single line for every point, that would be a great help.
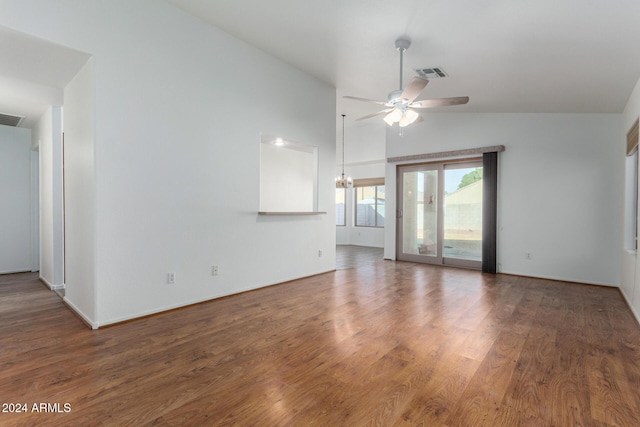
x: 389, y: 343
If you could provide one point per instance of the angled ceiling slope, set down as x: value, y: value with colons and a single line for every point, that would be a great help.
x: 33, y: 73
x: 519, y: 56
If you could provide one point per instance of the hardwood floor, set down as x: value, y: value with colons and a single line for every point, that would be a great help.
x: 389, y: 344
x: 352, y: 256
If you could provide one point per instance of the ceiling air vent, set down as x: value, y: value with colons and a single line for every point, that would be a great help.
x: 431, y: 73
x: 10, y: 120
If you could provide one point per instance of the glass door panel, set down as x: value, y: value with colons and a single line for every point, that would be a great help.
x: 463, y: 212
x: 420, y: 215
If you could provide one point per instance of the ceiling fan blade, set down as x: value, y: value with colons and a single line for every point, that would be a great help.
x: 414, y: 88
x: 388, y: 110
x: 371, y: 101
x: 441, y: 102
x: 419, y: 119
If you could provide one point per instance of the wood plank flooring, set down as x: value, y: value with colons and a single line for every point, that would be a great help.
x: 388, y: 344
x: 352, y: 256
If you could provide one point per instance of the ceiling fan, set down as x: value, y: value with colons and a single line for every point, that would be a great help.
x: 401, y: 105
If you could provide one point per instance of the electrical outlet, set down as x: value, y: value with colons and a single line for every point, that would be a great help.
x: 214, y: 270
x: 171, y: 278
x: 527, y: 255
x: 319, y: 253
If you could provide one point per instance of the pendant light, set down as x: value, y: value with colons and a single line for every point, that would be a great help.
x: 341, y: 181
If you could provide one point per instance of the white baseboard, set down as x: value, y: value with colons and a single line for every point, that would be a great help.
x: 560, y: 279
x: 628, y: 301
x: 16, y: 271
x: 80, y: 314
x: 50, y: 285
x: 198, y: 301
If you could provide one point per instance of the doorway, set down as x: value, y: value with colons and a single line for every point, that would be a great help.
x: 440, y: 213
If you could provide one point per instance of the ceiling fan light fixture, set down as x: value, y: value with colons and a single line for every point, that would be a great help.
x: 388, y: 120
x: 408, y: 117
x: 394, y: 116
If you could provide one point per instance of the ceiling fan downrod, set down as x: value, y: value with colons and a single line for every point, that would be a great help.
x: 402, y: 45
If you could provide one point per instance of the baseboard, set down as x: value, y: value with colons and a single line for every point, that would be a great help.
x: 28, y: 270
x: 628, y: 301
x: 560, y: 279
x: 50, y: 285
x: 87, y: 321
x: 359, y: 245
x: 123, y: 319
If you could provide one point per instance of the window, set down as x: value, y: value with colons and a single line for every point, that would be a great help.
x: 370, y: 206
x: 341, y: 202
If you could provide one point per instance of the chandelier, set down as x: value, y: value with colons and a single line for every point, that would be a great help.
x: 341, y: 181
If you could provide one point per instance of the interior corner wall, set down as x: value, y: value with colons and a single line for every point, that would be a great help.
x: 79, y: 194
x: 47, y: 136
x: 174, y: 185
x: 15, y: 196
x: 630, y: 281
x: 560, y: 185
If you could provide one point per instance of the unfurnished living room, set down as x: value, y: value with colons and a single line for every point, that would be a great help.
x: 344, y: 213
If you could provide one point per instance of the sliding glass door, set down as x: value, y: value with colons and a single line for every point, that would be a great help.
x: 440, y: 215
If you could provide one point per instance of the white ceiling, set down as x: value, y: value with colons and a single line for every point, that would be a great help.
x: 33, y: 73
x: 524, y: 56
x: 542, y: 56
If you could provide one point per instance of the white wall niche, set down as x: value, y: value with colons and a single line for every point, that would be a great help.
x: 288, y: 176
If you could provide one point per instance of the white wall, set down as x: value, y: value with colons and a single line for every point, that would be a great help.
x: 630, y: 285
x: 35, y: 210
x: 80, y: 194
x: 47, y: 136
x: 15, y: 199
x: 41, y: 138
x: 15, y: 195
x: 179, y: 109
x: 364, y: 158
x: 559, y: 188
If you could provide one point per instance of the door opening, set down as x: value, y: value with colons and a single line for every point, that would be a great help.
x: 440, y: 213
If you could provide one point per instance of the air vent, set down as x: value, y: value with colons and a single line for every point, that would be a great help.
x: 10, y: 120
x: 431, y: 73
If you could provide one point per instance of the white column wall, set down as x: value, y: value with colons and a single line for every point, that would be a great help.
x: 47, y: 136
x: 80, y: 194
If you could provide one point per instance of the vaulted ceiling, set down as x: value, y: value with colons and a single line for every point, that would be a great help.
x: 542, y: 56
x: 33, y: 73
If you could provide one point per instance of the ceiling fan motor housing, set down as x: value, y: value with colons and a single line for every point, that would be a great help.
x: 394, y: 97
x: 402, y: 44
